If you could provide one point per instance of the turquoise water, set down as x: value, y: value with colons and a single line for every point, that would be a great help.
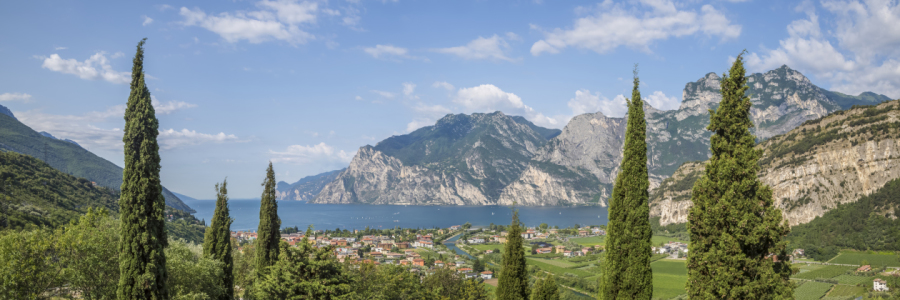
x: 450, y: 245
x: 356, y: 216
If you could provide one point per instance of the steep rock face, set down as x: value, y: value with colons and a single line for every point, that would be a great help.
x: 306, y: 188
x: 461, y: 160
x: 576, y: 167
x: 813, y: 168
x: 580, y: 165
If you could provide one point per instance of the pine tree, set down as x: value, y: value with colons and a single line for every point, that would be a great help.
x: 627, y: 273
x: 217, y: 242
x: 268, y: 233
x: 537, y: 289
x: 545, y: 289
x: 142, y: 263
x: 736, y: 249
x: 513, y: 281
x: 304, y: 272
x: 474, y: 290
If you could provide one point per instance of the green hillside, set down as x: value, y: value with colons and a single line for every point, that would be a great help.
x: 868, y: 224
x: 67, y: 157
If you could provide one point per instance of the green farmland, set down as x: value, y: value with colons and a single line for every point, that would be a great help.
x: 874, y: 259
x: 669, y: 278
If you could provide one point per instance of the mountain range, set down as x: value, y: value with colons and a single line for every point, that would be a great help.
x: 487, y: 159
x: 66, y: 156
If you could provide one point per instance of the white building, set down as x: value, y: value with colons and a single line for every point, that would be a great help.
x: 879, y: 285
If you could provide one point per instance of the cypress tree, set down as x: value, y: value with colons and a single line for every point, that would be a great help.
x: 142, y: 263
x: 217, y: 242
x: 545, y: 289
x: 627, y: 273
x: 268, y: 234
x: 513, y: 282
x: 736, y: 249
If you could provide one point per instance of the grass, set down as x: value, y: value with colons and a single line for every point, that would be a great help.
x: 669, y: 278
x: 556, y: 270
x: 809, y: 267
x: 874, y: 259
x: 824, y: 272
x: 556, y: 262
x: 487, y: 247
x: 847, y: 291
x: 811, y: 290
x: 852, y: 279
x: 590, y: 241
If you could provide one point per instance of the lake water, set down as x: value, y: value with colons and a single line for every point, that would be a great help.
x: 452, y: 246
x: 357, y: 216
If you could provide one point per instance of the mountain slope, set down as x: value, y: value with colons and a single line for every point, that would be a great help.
x: 813, y: 168
x: 579, y: 165
x: 307, y: 187
x: 67, y: 157
x: 461, y: 160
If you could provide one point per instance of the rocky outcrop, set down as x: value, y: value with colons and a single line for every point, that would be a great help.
x: 812, y: 169
x: 306, y: 188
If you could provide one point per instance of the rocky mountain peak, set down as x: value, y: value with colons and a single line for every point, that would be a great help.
x: 6, y: 111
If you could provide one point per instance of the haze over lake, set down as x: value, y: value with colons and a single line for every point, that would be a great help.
x: 348, y: 216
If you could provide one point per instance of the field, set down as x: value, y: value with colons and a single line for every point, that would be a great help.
x: 852, y: 280
x: 847, y: 291
x: 556, y: 262
x: 590, y: 241
x: 874, y: 259
x: 541, y: 263
x: 824, y: 272
x: 669, y: 278
x: 488, y: 247
x: 811, y: 290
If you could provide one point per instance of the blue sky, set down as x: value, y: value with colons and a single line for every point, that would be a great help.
x: 306, y: 83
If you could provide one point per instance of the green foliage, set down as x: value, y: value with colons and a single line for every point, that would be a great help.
x: 734, y: 225
x: 877, y: 260
x: 85, y: 249
x: 474, y: 291
x: 192, y: 276
x: 513, y: 279
x: 669, y: 278
x: 545, y: 289
x: 28, y: 265
x: 859, y: 225
x: 825, y: 272
x: 303, y: 272
x: 142, y: 263
x: 267, y: 233
x: 811, y: 290
x: 34, y: 194
x: 626, y: 272
x: 218, y: 242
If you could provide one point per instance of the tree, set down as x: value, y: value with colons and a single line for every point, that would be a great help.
x: 478, y: 266
x: 474, y: 290
x: 267, y: 234
x: 736, y: 249
x: 545, y: 289
x: 513, y: 279
x: 627, y: 273
x: 91, y: 265
x: 191, y: 275
x: 217, y: 241
x: 304, y: 272
x: 142, y: 262
x: 28, y: 265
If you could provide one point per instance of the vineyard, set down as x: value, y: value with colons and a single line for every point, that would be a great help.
x: 811, y: 290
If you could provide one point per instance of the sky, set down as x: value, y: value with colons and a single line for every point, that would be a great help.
x: 305, y: 83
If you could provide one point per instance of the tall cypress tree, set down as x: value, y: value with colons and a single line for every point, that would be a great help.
x: 736, y: 249
x: 217, y: 242
x: 545, y: 289
x: 142, y: 263
x: 627, y: 273
x: 268, y: 235
x: 513, y: 282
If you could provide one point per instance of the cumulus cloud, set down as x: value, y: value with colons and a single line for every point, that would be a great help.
x: 492, y: 48
x: 93, y: 68
x: 409, y: 88
x: 426, y: 115
x: 443, y: 84
x: 170, y: 107
x: 147, y: 21
x: 15, y: 97
x: 489, y: 98
x: 391, y: 52
x: 614, y: 25
x: 384, y: 94
x: 318, y: 153
x: 863, y: 57
x: 660, y: 101
x: 587, y: 103
x: 277, y: 20
x: 171, y: 138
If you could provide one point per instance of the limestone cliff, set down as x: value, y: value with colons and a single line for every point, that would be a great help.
x: 813, y: 168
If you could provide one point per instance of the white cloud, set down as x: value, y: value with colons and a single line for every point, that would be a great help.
x: 493, y: 48
x: 95, y: 67
x: 15, y: 96
x: 864, y: 57
x: 443, y: 84
x: 171, y: 138
x: 169, y: 107
x: 319, y: 153
x: 147, y: 21
x: 613, y: 26
x: 409, y: 88
x: 60, y: 48
x: 489, y: 98
x: 660, y: 101
x: 358, y: 98
x: 587, y: 103
x: 418, y: 123
x: 278, y: 20
x: 384, y: 94
x: 391, y: 52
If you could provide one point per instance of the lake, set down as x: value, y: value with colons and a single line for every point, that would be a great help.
x: 358, y: 216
